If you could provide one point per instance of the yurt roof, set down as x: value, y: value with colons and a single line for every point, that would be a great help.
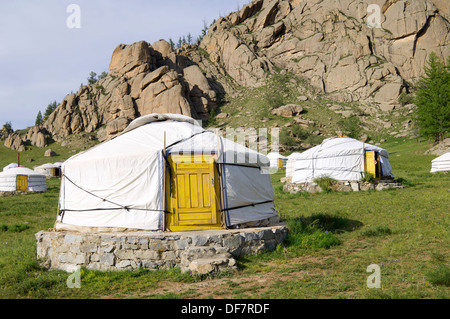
x: 47, y: 165
x: 9, y: 166
x: 341, y: 146
x: 443, y: 158
x: 19, y: 171
x: 273, y: 155
x: 171, y: 131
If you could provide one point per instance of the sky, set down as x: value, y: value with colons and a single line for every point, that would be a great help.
x: 48, y: 47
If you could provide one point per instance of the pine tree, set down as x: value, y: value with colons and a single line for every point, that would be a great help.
x: 39, y: 119
x: 433, y: 99
x: 50, y: 108
x: 92, y: 79
x: 172, y: 44
x: 189, y: 38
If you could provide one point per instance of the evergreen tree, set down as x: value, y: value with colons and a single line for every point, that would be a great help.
x: 189, y: 38
x: 433, y: 99
x: 39, y: 119
x: 7, y: 127
x: 50, y: 108
x: 102, y: 75
x: 172, y: 44
x: 92, y: 79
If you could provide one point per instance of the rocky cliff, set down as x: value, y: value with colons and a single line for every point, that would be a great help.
x: 330, y: 43
x: 326, y: 42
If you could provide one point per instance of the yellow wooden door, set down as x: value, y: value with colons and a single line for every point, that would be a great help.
x: 280, y: 162
x: 22, y: 183
x: 372, y: 164
x: 192, y: 193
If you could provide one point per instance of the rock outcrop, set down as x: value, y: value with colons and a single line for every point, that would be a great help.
x: 141, y: 80
x: 329, y: 43
x: 14, y: 142
x: 36, y: 136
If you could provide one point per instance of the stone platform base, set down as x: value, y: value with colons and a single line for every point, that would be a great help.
x: 340, y: 186
x: 201, y: 252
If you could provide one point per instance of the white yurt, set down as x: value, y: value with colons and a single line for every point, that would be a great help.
x: 277, y: 160
x: 290, y: 163
x: 165, y: 172
x: 441, y: 163
x: 22, y: 179
x: 49, y: 169
x: 341, y: 158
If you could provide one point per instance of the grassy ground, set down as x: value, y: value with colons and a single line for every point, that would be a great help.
x: 334, y: 238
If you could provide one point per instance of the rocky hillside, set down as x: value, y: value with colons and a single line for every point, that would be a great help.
x: 329, y: 43
x: 325, y: 42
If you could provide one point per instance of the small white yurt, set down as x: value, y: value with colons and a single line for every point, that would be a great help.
x: 49, y: 169
x: 441, y: 163
x: 22, y: 179
x: 277, y: 160
x: 12, y: 165
x: 290, y: 164
x: 165, y: 172
x: 341, y: 158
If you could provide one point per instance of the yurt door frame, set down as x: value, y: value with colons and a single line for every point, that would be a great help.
x: 192, y: 193
x: 22, y: 183
x: 372, y: 163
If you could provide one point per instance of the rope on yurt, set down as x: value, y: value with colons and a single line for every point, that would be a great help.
x: 248, y: 205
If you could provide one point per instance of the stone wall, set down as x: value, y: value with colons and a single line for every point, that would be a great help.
x: 340, y: 186
x: 196, y: 251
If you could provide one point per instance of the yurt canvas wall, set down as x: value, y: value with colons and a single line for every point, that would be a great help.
x: 290, y: 164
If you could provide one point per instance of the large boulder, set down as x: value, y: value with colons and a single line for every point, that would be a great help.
x: 288, y: 110
x: 36, y: 136
x: 14, y: 142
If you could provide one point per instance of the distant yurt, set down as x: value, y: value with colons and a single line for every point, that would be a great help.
x: 49, y: 169
x: 290, y: 164
x: 164, y: 172
x: 22, y: 179
x: 341, y: 158
x: 277, y: 160
x: 441, y: 163
x: 12, y: 165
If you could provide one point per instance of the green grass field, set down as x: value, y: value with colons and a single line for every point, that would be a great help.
x: 333, y: 238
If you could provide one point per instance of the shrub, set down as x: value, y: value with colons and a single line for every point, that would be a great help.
x: 17, y: 228
x: 350, y: 126
x: 286, y: 138
x: 368, y: 177
x: 325, y: 183
x: 405, y: 98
